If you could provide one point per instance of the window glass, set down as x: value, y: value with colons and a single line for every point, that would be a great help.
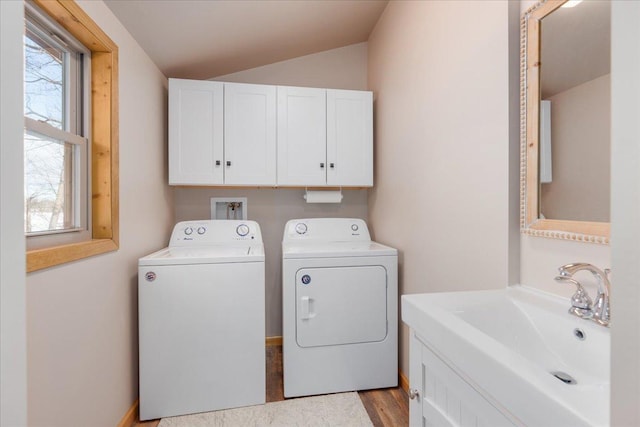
x: 43, y: 80
x: 48, y: 165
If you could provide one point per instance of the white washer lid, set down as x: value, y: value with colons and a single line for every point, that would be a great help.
x: 204, y: 255
x: 298, y: 250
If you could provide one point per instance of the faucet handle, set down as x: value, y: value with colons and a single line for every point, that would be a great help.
x: 601, y: 310
x: 601, y: 307
x: 581, y: 303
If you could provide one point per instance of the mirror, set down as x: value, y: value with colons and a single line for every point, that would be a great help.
x: 565, y: 117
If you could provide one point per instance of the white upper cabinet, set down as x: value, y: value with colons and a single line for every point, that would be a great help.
x: 302, y: 136
x: 262, y: 135
x: 249, y: 134
x: 195, y: 132
x: 325, y: 137
x: 349, y: 138
x: 221, y: 133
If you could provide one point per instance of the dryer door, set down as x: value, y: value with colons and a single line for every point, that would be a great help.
x: 341, y: 305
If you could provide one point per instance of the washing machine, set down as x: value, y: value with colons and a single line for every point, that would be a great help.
x: 340, y: 302
x: 201, y: 320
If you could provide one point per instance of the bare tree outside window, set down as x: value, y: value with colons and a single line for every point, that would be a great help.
x: 48, y: 161
x: 44, y: 81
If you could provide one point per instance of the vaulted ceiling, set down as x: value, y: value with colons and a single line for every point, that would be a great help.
x: 209, y: 38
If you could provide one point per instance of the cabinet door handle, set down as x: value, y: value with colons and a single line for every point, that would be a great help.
x: 321, y: 165
x: 331, y: 165
x: 413, y: 394
x: 217, y: 162
x: 228, y: 163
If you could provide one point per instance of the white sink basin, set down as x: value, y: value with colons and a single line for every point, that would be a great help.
x: 508, y: 343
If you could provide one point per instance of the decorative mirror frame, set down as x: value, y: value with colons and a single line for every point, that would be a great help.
x: 530, y: 223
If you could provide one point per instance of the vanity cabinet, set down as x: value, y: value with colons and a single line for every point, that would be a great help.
x: 443, y: 397
x: 221, y: 133
x: 325, y: 137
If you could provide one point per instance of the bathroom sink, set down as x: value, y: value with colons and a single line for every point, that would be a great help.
x: 521, y: 350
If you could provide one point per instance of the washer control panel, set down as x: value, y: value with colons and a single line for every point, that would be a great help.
x: 326, y: 230
x: 212, y: 232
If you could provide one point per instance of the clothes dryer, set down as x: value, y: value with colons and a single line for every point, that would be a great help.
x: 340, y: 298
x: 202, y: 320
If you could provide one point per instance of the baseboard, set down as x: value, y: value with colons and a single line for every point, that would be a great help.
x: 131, y: 416
x: 271, y: 341
x: 404, y: 382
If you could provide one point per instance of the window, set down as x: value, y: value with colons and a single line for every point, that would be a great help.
x: 55, y: 147
x: 71, y: 135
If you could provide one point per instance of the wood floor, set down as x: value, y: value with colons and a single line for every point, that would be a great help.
x: 386, y: 407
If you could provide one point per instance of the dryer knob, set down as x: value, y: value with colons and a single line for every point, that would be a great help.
x: 201, y: 230
x: 188, y: 231
x: 301, y: 228
x: 242, y: 230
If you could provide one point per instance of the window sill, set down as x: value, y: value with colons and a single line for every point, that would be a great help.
x: 39, y: 259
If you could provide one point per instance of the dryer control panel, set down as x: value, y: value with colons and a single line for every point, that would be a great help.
x: 215, y: 232
x: 326, y: 230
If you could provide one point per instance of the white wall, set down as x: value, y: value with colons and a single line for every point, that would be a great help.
x: 580, y: 152
x: 13, y: 350
x: 625, y: 212
x: 342, y: 68
x: 82, y: 316
x: 440, y: 72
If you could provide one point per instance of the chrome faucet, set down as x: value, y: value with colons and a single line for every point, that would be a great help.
x: 581, y: 304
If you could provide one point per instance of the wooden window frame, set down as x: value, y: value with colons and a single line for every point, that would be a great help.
x: 104, y: 138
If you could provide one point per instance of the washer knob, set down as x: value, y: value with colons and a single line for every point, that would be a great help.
x: 188, y: 231
x: 301, y: 228
x: 242, y: 230
x: 201, y: 230
x: 354, y: 227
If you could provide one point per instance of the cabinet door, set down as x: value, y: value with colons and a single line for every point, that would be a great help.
x: 445, y: 399
x: 349, y: 138
x: 302, y: 136
x: 416, y: 380
x: 195, y: 132
x: 249, y: 134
